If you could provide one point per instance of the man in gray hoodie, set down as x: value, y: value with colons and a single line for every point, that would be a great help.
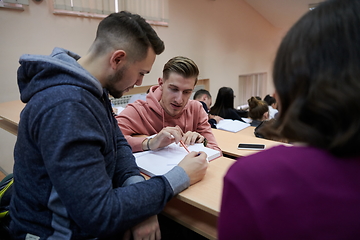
x: 75, y: 175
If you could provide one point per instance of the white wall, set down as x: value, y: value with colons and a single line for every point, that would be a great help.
x: 226, y: 38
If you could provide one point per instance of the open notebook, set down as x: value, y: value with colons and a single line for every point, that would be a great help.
x: 231, y: 125
x: 160, y: 161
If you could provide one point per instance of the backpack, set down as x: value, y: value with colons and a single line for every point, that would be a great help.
x: 6, y: 190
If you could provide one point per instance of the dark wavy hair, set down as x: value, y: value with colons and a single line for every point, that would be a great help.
x: 317, y: 78
x: 224, y: 100
x: 129, y: 32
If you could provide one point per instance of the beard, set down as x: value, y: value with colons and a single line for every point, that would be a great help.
x: 112, y: 80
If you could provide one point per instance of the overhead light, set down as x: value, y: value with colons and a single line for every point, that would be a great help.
x: 312, y: 6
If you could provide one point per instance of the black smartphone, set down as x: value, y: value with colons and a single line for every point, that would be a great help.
x: 248, y: 146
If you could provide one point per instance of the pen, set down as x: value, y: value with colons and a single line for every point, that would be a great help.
x: 183, y: 144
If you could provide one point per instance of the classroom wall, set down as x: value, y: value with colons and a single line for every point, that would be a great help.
x: 226, y: 38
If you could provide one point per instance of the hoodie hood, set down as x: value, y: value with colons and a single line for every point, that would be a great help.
x: 37, y: 72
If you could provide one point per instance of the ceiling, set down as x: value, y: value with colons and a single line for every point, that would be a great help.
x: 282, y: 13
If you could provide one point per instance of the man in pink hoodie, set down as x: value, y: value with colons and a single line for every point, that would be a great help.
x: 168, y: 112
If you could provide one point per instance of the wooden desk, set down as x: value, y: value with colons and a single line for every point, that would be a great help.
x: 197, y: 208
x: 10, y: 115
x: 228, y: 141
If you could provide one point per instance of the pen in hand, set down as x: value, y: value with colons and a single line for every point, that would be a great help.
x: 183, y: 144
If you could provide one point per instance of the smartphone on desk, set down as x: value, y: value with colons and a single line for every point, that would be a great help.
x: 251, y: 146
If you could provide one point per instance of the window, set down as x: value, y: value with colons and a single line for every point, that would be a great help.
x: 25, y: 2
x: 154, y: 11
x: 252, y: 85
x: 14, y: 4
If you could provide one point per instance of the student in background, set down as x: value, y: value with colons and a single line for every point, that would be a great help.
x: 258, y: 111
x: 310, y: 190
x: 271, y: 101
x: 246, y: 106
x: 75, y: 175
x: 224, y: 105
x: 204, y: 97
x: 168, y: 112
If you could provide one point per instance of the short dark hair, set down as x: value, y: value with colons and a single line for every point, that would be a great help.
x: 316, y: 76
x: 127, y: 31
x: 199, y: 93
x: 269, y: 100
x: 181, y: 65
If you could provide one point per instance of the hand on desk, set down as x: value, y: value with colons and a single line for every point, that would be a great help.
x: 165, y: 137
x: 170, y: 135
x: 189, y: 138
x: 217, y: 118
x: 148, y: 229
x: 195, y: 165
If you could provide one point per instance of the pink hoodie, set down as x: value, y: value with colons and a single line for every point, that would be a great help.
x: 149, y: 118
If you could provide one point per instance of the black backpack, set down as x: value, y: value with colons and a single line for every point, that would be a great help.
x: 6, y: 190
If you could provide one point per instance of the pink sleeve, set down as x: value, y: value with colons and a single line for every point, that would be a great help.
x: 204, y: 129
x: 126, y: 121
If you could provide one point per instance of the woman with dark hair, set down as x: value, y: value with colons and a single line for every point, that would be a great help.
x: 258, y: 111
x: 224, y: 105
x: 271, y: 101
x: 310, y: 190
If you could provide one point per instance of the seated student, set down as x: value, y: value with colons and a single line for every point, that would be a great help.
x: 271, y: 101
x: 167, y: 110
x: 258, y: 111
x: 224, y: 105
x: 310, y: 190
x: 204, y: 97
x: 246, y: 106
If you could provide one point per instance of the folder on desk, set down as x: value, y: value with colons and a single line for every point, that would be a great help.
x: 231, y: 125
x: 160, y: 161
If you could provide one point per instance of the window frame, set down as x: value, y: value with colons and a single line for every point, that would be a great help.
x: 64, y: 12
x: 13, y: 4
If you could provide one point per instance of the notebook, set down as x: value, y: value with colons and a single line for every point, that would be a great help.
x: 231, y: 125
x: 160, y: 161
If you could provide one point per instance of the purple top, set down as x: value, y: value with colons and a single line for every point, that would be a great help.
x: 291, y: 193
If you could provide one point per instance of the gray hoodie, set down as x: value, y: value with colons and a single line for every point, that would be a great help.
x: 75, y: 175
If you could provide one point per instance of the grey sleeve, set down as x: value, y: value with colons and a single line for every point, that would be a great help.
x: 133, y: 179
x: 178, y: 179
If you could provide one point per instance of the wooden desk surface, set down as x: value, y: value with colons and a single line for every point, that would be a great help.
x: 10, y: 115
x: 206, y: 194
x: 198, y: 207
x: 228, y: 141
